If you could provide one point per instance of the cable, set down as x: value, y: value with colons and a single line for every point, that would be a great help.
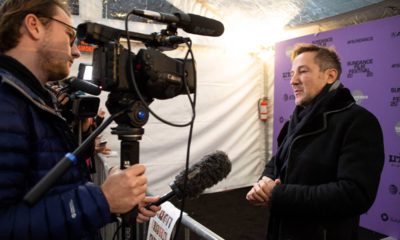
x: 192, y: 103
x: 119, y: 226
x: 145, y: 104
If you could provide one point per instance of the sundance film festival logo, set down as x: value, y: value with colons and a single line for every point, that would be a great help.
x: 395, y: 99
x: 395, y: 34
x: 387, y: 218
x: 394, y: 160
x: 393, y: 189
x: 288, y: 97
x: 360, y: 40
x: 282, y: 119
x: 359, y: 96
x: 286, y: 75
x: 323, y: 42
x: 396, y: 65
x: 360, y: 67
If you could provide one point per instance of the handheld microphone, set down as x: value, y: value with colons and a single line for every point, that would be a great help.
x: 190, y: 23
x: 209, y: 171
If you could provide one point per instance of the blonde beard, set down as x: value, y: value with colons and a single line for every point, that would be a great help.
x: 54, y: 63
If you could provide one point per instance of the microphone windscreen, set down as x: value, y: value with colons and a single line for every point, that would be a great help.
x: 207, y: 172
x: 203, y: 26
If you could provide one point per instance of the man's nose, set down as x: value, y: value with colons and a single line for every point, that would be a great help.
x: 75, y: 51
x: 294, y: 79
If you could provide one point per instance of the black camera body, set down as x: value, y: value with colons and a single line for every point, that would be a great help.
x: 79, y: 104
x: 134, y: 80
x: 155, y: 74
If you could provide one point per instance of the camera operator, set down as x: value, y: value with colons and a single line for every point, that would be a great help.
x: 37, y: 46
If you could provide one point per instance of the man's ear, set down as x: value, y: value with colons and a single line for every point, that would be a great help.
x: 331, y: 75
x: 32, y: 26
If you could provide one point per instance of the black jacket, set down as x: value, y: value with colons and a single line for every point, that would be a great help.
x: 332, y: 173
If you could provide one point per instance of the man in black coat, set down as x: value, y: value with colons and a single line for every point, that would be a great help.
x: 327, y: 168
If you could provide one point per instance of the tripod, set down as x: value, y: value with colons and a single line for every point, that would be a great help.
x: 129, y: 137
x: 129, y: 131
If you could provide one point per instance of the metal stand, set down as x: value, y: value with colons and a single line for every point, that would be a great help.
x: 129, y: 137
x: 129, y: 131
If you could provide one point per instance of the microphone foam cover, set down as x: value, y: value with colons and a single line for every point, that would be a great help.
x: 207, y: 172
x: 204, y: 26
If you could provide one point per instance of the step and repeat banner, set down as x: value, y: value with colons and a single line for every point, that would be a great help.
x: 370, y: 56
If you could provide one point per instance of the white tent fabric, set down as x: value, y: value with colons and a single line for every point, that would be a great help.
x: 229, y: 87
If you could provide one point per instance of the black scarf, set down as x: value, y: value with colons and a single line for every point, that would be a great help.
x: 300, y: 117
x: 22, y: 73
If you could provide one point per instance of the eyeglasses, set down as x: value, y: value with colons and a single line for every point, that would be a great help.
x: 73, y: 38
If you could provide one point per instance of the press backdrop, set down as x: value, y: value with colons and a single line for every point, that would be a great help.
x: 370, y: 56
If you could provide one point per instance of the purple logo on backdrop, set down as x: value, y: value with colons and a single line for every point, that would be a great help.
x: 282, y: 119
x: 396, y: 65
x: 385, y: 217
x: 286, y: 75
x: 393, y: 189
x: 360, y: 67
x: 359, y: 96
x: 394, y: 160
x: 360, y: 40
x: 395, y: 35
x: 323, y: 42
x: 287, y: 97
x: 396, y: 99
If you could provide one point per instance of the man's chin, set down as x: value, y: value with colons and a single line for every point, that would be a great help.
x: 58, y: 76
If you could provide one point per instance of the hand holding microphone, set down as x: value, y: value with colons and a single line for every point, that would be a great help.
x: 144, y: 214
x: 125, y: 189
x: 209, y: 171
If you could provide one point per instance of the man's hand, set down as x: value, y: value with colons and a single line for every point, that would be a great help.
x: 125, y: 189
x: 57, y: 90
x: 101, y: 147
x: 260, y: 194
x: 144, y: 214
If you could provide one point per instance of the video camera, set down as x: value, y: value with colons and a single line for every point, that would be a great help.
x: 148, y: 74
x: 156, y: 74
x: 79, y: 104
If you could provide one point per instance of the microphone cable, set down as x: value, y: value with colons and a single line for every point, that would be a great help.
x: 192, y: 103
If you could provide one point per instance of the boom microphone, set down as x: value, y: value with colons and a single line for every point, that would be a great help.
x: 190, y: 23
x: 210, y: 170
